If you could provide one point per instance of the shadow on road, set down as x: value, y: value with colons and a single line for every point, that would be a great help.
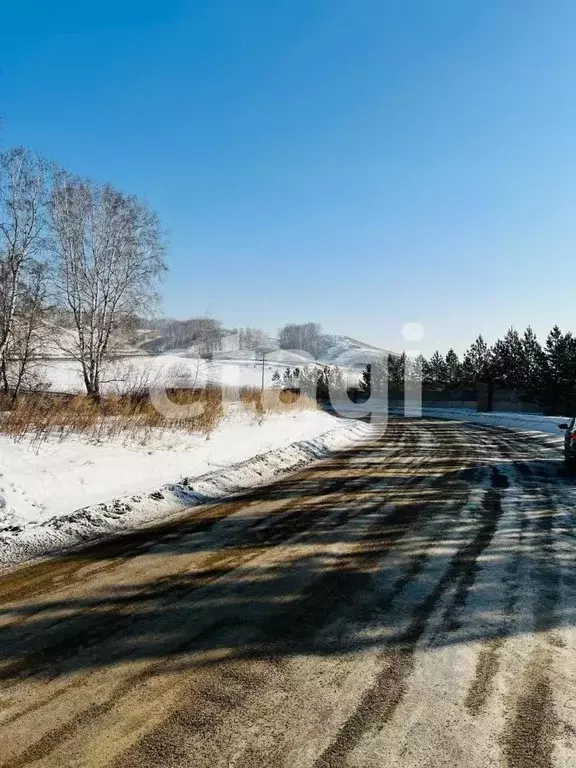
x: 374, y: 542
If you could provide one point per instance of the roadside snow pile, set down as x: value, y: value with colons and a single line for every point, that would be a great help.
x: 523, y: 421
x: 53, y: 478
x: 39, y: 491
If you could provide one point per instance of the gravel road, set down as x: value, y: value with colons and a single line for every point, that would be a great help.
x: 406, y: 603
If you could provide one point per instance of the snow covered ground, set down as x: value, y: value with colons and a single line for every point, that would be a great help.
x: 57, y: 477
x: 523, y: 421
x: 64, y: 375
x: 61, y: 476
x: 242, y: 368
x: 66, y: 492
x: 72, y: 492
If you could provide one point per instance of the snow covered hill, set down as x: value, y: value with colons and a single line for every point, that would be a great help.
x: 344, y: 350
x: 231, y: 367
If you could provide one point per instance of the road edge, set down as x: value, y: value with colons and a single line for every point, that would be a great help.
x: 96, y: 522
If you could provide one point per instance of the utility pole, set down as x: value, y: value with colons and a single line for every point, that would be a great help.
x: 264, y: 351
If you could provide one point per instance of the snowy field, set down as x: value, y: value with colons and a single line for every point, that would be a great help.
x: 57, y: 477
x: 64, y: 375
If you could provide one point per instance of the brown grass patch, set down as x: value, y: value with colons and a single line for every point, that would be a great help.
x: 275, y: 401
x: 39, y: 416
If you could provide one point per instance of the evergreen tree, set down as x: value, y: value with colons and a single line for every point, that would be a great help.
x: 365, y: 384
x: 476, y: 363
x: 535, y: 371
x: 330, y: 379
x: 453, y: 370
x: 509, y: 361
x: 561, y: 370
x: 415, y: 367
x: 396, y: 372
x: 437, y: 372
x: 374, y: 378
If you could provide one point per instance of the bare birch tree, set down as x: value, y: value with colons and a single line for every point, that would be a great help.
x: 22, y: 365
x: 110, y: 259
x: 23, y: 199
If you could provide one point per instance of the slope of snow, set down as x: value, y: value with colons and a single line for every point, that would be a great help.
x: 57, y: 497
x: 61, y: 342
x: 64, y: 375
x: 242, y: 368
x: 343, y: 350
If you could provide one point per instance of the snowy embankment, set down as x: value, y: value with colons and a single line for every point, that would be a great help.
x: 522, y: 421
x: 55, y: 497
x: 545, y: 427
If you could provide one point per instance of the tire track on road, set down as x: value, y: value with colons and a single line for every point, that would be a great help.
x: 380, y: 701
x: 530, y: 726
x: 406, y: 507
x: 293, y: 632
x: 240, y: 547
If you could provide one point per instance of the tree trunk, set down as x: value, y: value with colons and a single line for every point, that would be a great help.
x: 91, y: 381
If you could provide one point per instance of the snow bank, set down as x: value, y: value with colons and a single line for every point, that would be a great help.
x: 23, y: 539
x: 60, y: 476
x: 522, y: 421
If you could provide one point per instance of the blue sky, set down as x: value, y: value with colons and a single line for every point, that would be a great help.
x: 359, y: 163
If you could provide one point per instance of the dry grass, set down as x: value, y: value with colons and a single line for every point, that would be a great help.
x: 275, y: 401
x: 39, y: 416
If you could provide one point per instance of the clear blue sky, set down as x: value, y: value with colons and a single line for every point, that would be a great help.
x: 360, y: 163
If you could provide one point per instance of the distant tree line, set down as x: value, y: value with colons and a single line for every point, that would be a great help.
x: 204, y: 335
x: 518, y: 362
x: 309, y: 337
x: 318, y: 381
x: 306, y: 337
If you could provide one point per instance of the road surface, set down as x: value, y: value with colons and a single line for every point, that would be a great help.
x: 405, y: 603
